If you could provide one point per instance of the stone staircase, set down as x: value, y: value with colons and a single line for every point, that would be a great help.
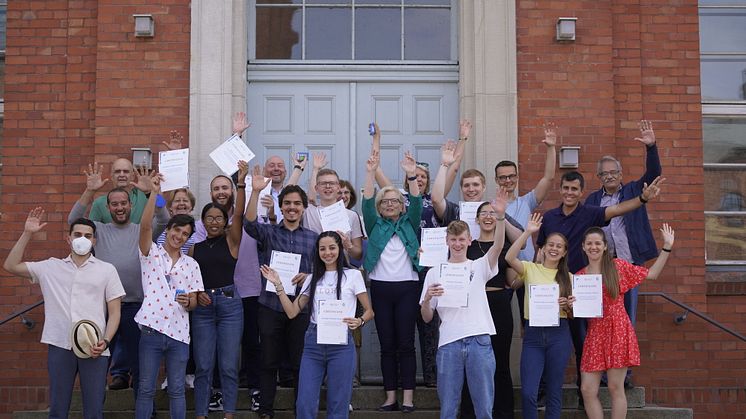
x: 120, y: 405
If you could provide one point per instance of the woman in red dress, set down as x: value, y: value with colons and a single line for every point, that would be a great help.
x: 611, y: 343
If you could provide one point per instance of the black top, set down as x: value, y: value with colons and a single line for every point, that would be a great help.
x: 478, y: 249
x: 215, y: 261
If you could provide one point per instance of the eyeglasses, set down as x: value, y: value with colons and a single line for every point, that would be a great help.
x: 486, y: 213
x: 507, y: 177
x: 211, y: 219
x: 612, y: 173
x: 423, y: 164
x: 327, y: 184
x: 392, y: 201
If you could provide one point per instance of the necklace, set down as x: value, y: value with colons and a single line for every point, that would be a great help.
x: 484, y: 252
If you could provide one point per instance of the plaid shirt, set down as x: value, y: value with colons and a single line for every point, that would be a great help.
x: 271, y: 237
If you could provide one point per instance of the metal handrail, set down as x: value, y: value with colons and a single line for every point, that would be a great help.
x: 26, y: 321
x: 679, y: 319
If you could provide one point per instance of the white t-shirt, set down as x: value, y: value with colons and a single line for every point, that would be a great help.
x: 312, y: 221
x: 326, y: 289
x: 474, y: 319
x: 394, y: 264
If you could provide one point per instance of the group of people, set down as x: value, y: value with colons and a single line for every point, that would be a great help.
x: 162, y: 286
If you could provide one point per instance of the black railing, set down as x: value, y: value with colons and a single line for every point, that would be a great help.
x: 680, y: 318
x: 29, y: 323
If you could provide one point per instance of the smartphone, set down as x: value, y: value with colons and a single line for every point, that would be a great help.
x: 177, y: 293
x: 301, y: 156
x: 372, y: 128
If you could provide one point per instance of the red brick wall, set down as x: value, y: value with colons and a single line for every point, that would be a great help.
x: 632, y: 60
x: 78, y: 87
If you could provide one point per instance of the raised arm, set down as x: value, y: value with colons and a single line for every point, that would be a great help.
x: 14, y: 262
x: 257, y: 184
x: 499, y: 204
x: 371, y: 166
x: 438, y: 195
x: 235, y: 231
x: 153, y: 183
x: 240, y: 123
x: 533, y: 225
x: 93, y: 183
x: 668, y: 238
x: 463, y: 136
x: 652, y: 159
x: 381, y: 179
x: 545, y: 183
x: 291, y: 308
x: 298, y: 168
x: 319, y: 162
x: 648, y: 192
x: 409, y: 166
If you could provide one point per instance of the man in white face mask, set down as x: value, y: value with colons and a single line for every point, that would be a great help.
x: 78, y: 287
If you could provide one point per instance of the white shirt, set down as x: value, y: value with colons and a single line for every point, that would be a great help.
x: 73, y: 293
x: 394, y: 264
x: 160, y: 311
x: 312, y: 221
x: 474, y: 319
x: 326, y: 289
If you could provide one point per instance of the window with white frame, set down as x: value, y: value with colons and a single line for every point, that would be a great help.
x: 416, y: 31
x: 723, y: 85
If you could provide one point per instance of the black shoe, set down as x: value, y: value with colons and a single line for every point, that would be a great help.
x: 255, y: 398
x: 393, y: 407
x: 628, y: 384
x: 216, y: 402
x: 407, y: 409
x: 119, y: 383
x: 581, y: 403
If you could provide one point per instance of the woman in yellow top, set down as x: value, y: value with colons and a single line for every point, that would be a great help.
x: 546, y: 350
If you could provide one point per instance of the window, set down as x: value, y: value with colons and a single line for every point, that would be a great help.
x: 353, y: 30
x: 723, y: 67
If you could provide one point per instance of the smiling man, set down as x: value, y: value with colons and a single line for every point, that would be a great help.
x: 123, y: 176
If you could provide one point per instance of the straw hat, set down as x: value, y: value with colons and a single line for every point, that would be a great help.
x: 84, y: 335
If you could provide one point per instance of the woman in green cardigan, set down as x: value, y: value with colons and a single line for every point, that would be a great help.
x: 391, y: 261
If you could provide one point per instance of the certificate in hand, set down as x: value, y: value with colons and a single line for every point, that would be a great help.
x: 334, y: 217
x: 261, y: 210
x: 455, y: 279
x: 330, y: 329
x: 588, y: 292
x: 468, y: 214
x: 543, y: 305
x: 174, y: 166
x: 287, y: 266
x: 434, y: 247
x: 227, y: 155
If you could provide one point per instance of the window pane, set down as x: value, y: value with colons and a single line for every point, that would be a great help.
x: 329, y: 2
x: 377, y: 1
x: 378, y: 34
x: 328, y: 33
x: 724, y: 140
x: 722, y: 30
x: 725, y: 189
x: 723, y: 78
x: 722, y: 2
x: 278, y: 33
x: 3, y: 23
x: 428, y: 2
x: 261, y: 2
x: 724, y: 237
x: 427, y: 34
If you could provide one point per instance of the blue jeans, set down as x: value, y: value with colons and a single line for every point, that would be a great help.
x: 153, y: 347
x: 63, y: 366
x: 125, y: 345
x: 338, y: 363
x: 545, y: 350
x: 472, y: 356
x: 217, y: 327
x: 630, y: 305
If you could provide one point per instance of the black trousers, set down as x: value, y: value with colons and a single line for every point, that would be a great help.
x: 250, y: 347
x: 428, y: 334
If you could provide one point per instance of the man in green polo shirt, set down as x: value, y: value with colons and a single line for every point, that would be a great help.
x: 122, y: 176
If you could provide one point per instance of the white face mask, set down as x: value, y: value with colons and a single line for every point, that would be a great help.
x: 82, y: 246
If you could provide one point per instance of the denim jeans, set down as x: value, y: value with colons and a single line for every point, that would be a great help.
x: 630, y: 305
x: 63, y: 366
x: 125, y: 346
x: 337, y: 362
x: 545, y: 350
x: 217, y: 327
x: 472, y: 356
x: 153, y: 347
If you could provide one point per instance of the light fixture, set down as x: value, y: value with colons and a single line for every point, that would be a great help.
x: 142, y: 157
x: 566, y: 28
x: 144, y: 26
x: 569, y: 157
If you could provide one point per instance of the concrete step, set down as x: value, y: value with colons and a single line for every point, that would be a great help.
x: 364, y: 398
x: 649, y: 412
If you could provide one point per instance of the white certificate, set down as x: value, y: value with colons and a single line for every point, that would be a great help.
x: 455, y: 279
x: 334, y: 217
x: 174, y: 166
x: 330, y: 329
x: 588, y: 292
x: 543, y: 305
x: 468, y: 213
x: 227, y: 155
x: 261, y: 210
x: 287, y: 266
x: 434, y: 247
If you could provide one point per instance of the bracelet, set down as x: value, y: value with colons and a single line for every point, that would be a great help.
x: 297, y: 166
x: 445, y: 165
x: 362, y: 321
x: 643, y: 200
x: 500, y: 219
x: 241, y: 186
x: 463, y: 138
x: 107, y: 343
x: 412, y: 178
x: 666, y: 250
x: 279, y: 290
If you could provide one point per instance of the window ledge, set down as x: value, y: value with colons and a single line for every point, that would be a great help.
x: 722, y: 283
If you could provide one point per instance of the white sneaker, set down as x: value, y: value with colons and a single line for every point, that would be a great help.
x: 165, y: 384
x: 189, y: 380
x: 350, y: 407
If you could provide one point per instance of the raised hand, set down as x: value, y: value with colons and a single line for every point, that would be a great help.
x: 93, y: 180
x: 33, y: 221
x: 271, y: 275
x: 534, y: 224
x: 346, y: 242
x: 377, y: 135
x: 653, y: 190
x: 500, y: 203
x: 143, y: 182
x: 257, y: 179
x: 668, y: 236
x: 409, y: 164
x: 464, y: 128
x: 240, y: 123
x: 243, y: 170
x: 297, y: 162
x: 319, y: 161
x: 647, y: 135
x: 175, y: 141
x: 373, y: 161
x: 550, y: 134
x: 155, y: 182
x: 447, y: 153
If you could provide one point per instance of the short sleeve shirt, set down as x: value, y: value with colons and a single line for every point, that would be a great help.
x: 572, y: 226
x: 326, y: 289
x: 312, y: 221
x: 520, y: 209
x: 536, y: 274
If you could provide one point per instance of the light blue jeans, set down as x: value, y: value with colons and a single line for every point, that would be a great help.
x: 473, y: 357
x: 153, y: 347
x: 338, y: 363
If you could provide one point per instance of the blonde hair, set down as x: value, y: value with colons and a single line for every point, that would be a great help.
x: 382, y: 192
x: 457, y: 227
